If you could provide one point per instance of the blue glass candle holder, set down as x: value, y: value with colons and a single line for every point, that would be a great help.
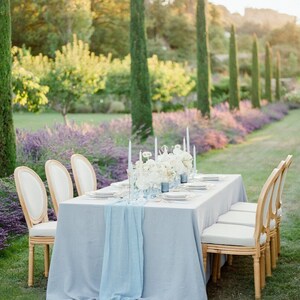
x: 165, y: 187
x: 184, y: 178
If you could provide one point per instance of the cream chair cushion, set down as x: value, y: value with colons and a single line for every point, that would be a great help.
x: 60, y: 183
x: 33, y: 194
x: 244, y: 206
x: 43, y: 229
x: 85, y: 176
x: 227, y: 234
x: 238, y: 218
x: 241, y: 218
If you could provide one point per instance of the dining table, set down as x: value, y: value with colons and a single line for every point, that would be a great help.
x: 173, y: 265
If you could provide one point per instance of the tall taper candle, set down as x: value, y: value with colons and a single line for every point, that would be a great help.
x: 184, y: 145
x: 129, y: 155
x: 195, y: 162
x: 155, y: 148
x: 188, y: 140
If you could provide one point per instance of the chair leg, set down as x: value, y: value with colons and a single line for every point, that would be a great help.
x: 219, y: 266
x: 215, y: 267
x: 278, y: 239
x: 256, y: 276
x: 230, y: 259
x: 262, y: 270
x: 46, y: 260
x: 273, y: 252
x: 30, y: 264
x: 204, y: 254
x: 268, y: 260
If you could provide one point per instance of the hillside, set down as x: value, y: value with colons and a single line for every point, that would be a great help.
x: 262, y: 17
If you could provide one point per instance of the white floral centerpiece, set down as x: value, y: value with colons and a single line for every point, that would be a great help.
x: 178, y: 161
x: 149, y: 173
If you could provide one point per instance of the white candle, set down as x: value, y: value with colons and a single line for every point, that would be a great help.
x: 155, y: 148
x: 129, y: 155
x: 141, y: 156
x: 184, y: 146
x: 187, y: 140
x: 195, y: 162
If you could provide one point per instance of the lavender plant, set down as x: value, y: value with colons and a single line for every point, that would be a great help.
x: 105, y: 146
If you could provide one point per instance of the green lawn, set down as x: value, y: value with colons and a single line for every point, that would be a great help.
x: 254, y: 159
x: 35, y: 121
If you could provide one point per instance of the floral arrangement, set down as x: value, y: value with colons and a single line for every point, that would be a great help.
x: 167, y: 167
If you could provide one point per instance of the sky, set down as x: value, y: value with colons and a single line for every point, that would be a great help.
x: 291, y: 7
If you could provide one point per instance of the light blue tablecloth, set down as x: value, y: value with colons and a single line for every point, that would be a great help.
x: 123, y: 260
x: 173, y: 266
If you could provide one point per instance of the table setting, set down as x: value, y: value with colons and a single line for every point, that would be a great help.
x: 141, y: 238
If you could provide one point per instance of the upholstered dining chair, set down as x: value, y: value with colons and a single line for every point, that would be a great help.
x: 33, y: 199
x: 244, y: 240
x: 59, y: 182
x: 249, y: 219
x: 84, y: 174
x: 288, y: 162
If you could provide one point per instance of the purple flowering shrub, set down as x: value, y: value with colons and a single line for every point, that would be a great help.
x: 106, y: 145
x: 11, y: 216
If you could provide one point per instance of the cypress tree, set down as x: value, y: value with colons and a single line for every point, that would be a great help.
x: 255, y: 75
x: 268, y: 73
x: 141, y: 111
x: 234, y: 92
x: 7, y: 133
x: 203, y: 61
x: 278, y: 71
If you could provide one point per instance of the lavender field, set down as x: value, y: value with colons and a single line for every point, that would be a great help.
x: 105, y: 146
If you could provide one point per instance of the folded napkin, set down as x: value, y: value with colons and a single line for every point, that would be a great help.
x: 102, y: 193
x: 175, y: 196
x: 197, y: 186
x: 123, y: 260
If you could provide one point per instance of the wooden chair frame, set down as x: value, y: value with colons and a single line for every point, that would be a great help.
x: 288, y: 162
x: 51, y: 185
x: 75, y: 172
x: 261, y: 227
x: 273, y: 216
x: 34, y: 240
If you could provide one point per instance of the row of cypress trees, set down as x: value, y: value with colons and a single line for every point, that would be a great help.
x: 234, y: 71
x: 140, y: 91
x: 140, y: 94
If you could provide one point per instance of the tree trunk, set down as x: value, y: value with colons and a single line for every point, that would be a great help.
x: 7, y: 133
x: 141, y: 111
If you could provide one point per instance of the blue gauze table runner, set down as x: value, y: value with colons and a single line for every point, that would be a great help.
x: 123, y: 260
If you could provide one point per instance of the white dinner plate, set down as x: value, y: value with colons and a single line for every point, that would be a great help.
x: 101, y: 194
x: 175, y: 196
x: 198, y: 186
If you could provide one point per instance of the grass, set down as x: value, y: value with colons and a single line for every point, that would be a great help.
x: 35, y: 121
x: 254, y: 159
